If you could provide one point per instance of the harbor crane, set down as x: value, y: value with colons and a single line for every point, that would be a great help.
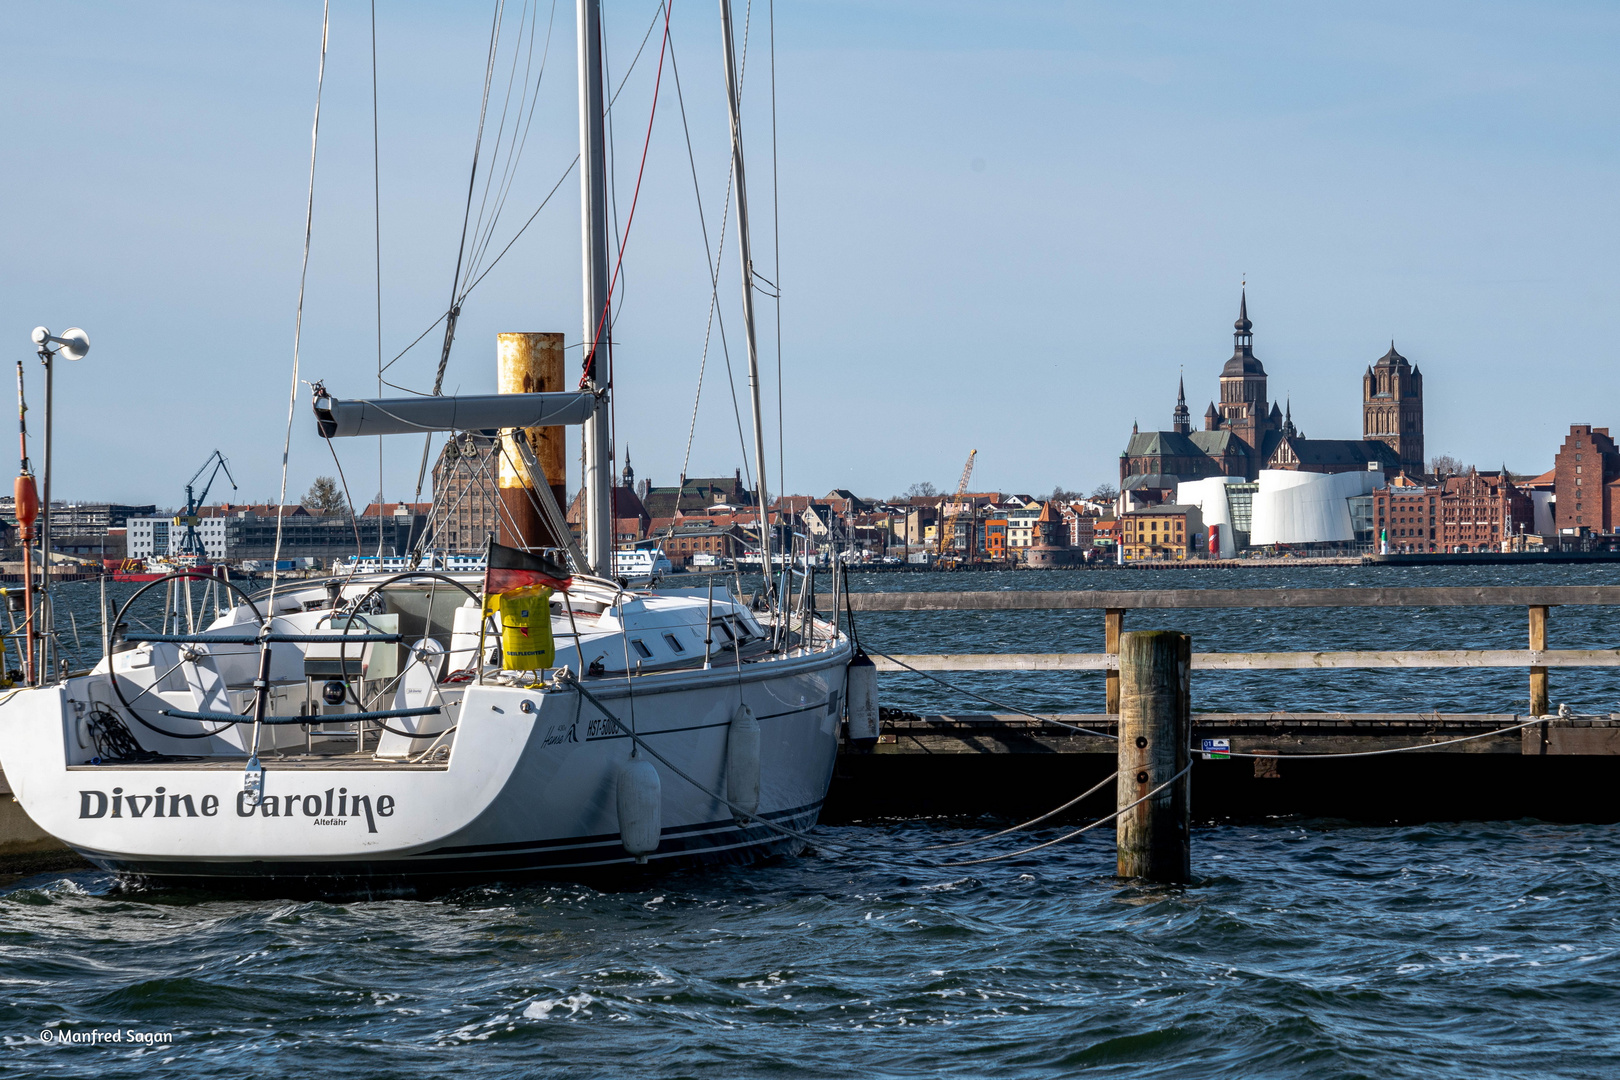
x: 950, y: 512
x: 190, y: 543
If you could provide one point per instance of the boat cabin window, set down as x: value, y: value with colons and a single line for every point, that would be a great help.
x: 725, y: 630
x: 641, y: 648
x: 674, y: 643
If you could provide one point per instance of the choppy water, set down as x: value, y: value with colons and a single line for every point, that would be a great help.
x: 1307, y: 949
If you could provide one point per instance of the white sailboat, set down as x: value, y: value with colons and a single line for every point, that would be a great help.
x: 365, y: 732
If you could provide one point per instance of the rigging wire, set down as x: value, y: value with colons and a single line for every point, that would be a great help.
x: 454, y: 312
x: 506, y: 105
x: 298, y: 321
x: 376, y: 204
x: 515, y: 149
x: 776, y: 272
x: 713, y: 256
x: 566, y: 173
x: 353, y: 520
x: 618, y: 262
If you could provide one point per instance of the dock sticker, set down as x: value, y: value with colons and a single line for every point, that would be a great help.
x: 1217, y: 749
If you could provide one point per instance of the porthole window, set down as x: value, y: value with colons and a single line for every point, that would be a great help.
x: 675, y: 643
x: 641, y: 648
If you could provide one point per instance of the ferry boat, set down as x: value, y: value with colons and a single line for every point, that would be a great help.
x: 641, y: 565
x: 156, y: 569
x: 394, y: 730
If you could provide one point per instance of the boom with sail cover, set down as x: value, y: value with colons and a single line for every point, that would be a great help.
x: 480, y: 412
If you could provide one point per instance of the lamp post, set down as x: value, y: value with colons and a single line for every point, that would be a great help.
x: 72, y: 345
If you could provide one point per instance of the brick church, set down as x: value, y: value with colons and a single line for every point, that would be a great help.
x: 1244, y: 433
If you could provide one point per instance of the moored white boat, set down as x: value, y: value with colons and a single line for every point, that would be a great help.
x: 525, y: 779
x: 376, y: 730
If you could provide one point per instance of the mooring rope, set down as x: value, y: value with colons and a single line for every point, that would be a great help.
x: 1110, y: 778
x: 992, y: 701
x: 642, y: 743
x: 1373, y: 753
x: 1077, y: 832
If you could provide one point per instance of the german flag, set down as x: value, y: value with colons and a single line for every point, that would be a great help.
x: 508, y: 570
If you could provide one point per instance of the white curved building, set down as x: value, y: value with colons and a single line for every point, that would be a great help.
x: 1214, y: 503
x: 1307, y: 508
x: 1286, y: 507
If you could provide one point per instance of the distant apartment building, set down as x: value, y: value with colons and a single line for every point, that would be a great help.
x: 995, y: 537
x: 81, y: 518
x: 1406, y: 517
x: 1170, y: 531
x: 466, y: 495
x: 232, y: 532
x: 1021, y: 525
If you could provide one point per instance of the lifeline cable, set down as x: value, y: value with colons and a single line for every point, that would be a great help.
x: 1077, y: 832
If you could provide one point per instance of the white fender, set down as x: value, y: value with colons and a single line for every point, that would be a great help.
x: 640, y: 802
x: 864, y: 723
x: 742, y: 760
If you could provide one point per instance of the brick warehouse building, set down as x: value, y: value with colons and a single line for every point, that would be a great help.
x: 1586, y: 476
x: 1474, y: 512
x: 1480, y: 510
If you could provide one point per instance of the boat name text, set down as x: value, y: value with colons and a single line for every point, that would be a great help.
x: 334, y: 806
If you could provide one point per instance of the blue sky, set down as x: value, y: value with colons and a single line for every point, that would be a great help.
x: 1003, y: 226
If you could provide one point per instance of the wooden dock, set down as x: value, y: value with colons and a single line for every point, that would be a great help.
x: 1010, y: 765
x: 1558, y: 768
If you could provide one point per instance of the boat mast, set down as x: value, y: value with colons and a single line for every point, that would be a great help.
x: 746, y: 258
x: 598, y: 479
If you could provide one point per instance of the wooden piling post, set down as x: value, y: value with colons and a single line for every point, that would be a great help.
x: 1538, y: 675
x: 1155, y: 743
x: 1113, y: 622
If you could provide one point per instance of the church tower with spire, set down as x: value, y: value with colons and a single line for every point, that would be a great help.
x: 1181, y: 418
x: 1392, y: 408
x: 1242, y: 406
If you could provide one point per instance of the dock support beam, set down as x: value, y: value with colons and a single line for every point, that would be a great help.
x: 1155, y: 743
x: 1113, y: 622
x: 1538, y: 675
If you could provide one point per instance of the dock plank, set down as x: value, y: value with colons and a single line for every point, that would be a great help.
x: 1176, y: 599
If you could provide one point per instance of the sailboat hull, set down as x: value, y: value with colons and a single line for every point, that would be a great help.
x: 528, y: 786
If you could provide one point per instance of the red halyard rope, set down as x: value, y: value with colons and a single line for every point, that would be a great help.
x: 624, y: 241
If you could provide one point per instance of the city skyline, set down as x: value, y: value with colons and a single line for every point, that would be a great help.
x: 1001, y: 229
